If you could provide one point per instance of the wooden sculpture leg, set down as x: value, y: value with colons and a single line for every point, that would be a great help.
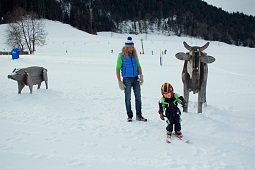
x: 186, y: 97
x: 200, y: 100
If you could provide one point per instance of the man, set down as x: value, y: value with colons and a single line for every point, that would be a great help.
x: 131, y: 72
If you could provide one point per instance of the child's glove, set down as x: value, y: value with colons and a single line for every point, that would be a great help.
x: 161, y: 116
x: 184, y: 104
x: 140, y: 79
x: 122, y: 85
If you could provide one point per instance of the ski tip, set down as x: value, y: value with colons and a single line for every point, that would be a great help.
x: 185, y: 140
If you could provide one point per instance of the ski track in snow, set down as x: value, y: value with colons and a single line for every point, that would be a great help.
x: 80, y: 121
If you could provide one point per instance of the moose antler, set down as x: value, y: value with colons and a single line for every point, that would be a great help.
x: 194, y: 48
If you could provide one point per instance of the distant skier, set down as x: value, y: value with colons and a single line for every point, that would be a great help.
x: 168, y: 104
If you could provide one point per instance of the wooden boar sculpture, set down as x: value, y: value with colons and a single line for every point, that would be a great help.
x: 195, y: 72
x: 29, y: 76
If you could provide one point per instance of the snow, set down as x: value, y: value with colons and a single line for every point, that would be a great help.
x: 80, y: 121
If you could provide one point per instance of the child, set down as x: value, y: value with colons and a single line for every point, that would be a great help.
x: 168, y: 104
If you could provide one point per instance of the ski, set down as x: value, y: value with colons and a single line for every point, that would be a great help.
x: 183, y: 139
x: 169, y: 140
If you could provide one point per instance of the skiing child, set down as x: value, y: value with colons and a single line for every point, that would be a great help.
x: 168, y: 104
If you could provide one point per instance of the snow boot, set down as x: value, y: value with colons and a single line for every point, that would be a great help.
x: 168, y: 137
x: 129, y: 119
x: 140, y: 118
x: 178, y: 134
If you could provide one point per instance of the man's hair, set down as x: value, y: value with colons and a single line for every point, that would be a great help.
x: 125, y: 52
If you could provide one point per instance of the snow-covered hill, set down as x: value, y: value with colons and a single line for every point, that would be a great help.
x: 80, y: 121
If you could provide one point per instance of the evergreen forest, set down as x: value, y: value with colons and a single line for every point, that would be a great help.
x: 193, y: 18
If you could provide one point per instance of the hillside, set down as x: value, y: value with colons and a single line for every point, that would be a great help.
x: 80, y: 121
x: 193, y: 18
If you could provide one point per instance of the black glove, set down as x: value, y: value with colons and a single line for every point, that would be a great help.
x: 161, y: 116
x: 184, y: 104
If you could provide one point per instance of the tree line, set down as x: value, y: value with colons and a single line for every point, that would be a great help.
x: 179, y: 17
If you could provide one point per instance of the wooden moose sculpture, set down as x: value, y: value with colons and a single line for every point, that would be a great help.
x: 194, y: 73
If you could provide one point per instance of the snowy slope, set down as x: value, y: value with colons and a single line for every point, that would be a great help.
x: 80, y: 121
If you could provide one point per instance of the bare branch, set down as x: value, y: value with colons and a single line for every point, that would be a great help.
x: 26, y: 31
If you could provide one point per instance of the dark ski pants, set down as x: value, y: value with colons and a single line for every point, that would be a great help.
x: 173, y: 121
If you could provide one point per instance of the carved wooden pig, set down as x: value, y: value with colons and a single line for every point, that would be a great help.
x: 29, y: 76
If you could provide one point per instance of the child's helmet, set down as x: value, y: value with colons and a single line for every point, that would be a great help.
x: 167, y: 88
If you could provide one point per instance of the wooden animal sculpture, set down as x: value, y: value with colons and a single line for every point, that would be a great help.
x: 29, y: 76
x: 195, y: 72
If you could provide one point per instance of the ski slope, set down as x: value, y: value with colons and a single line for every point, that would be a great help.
x: 80, y: 121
